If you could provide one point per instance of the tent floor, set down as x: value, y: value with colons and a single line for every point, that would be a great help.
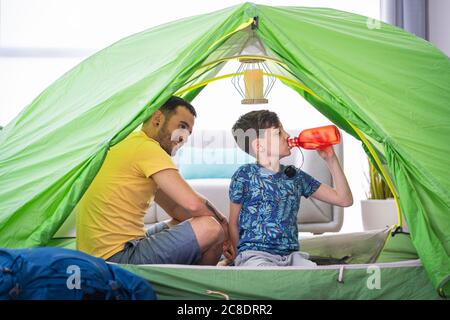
x: 364, y: 265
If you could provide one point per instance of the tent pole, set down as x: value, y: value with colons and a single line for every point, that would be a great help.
x: 229, y: 75
x: 383, y: 171
x: 244, y: 25
x: 262, y: 58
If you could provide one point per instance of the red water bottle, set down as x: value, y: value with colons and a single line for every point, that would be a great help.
x: 316, y: 138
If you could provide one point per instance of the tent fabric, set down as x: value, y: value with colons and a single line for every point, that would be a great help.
x: 349, y: 248
x: 398, y: 247
x: 52, y: 150
x: 397, y: 281
x: 390, y: 84
x: 360, y: 256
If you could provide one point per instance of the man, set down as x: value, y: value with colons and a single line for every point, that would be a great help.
x: 136, y: 171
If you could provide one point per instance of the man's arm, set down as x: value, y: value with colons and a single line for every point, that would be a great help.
x: 171, y: 207
x: 341, y: 195
x: 181, y: 201
x: 228, y: 249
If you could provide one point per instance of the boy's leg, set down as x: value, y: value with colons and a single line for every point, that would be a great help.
x: 251, y: 258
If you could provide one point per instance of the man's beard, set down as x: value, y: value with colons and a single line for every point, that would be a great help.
x: 164, y: 139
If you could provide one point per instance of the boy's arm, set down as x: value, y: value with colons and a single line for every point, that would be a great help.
x: 341, y: 195
x: 235, y: 208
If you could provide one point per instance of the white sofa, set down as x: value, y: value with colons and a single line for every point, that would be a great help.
x: 314, y: 216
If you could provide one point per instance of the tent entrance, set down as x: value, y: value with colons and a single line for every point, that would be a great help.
x: 289, y: 79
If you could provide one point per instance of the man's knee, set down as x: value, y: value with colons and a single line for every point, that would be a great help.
x: 212, y: 227
x: 207, y: 230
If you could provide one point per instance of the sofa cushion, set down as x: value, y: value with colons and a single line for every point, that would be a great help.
x: 215, y: 190
x: 211, y: 163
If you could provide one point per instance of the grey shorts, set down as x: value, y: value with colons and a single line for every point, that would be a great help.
x: 252, y: 258
x: 162, y: 245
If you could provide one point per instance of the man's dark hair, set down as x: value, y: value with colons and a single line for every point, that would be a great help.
x: 250, y: 124
x: 170, y: 106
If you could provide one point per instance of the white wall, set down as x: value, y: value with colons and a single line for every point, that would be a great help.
x: 439, y: 24
x: 42, y: 39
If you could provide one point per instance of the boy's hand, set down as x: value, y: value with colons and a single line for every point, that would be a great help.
x: 327, y: 153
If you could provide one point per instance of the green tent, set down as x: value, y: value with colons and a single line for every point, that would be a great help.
x: 379, y: 83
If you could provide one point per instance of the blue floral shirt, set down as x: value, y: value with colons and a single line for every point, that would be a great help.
x: 270, y: 203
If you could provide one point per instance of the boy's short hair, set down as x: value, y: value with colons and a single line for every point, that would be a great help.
x: 250, y: 125
x: 170, y: 106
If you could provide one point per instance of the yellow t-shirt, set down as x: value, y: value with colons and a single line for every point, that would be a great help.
x: 112, y: 210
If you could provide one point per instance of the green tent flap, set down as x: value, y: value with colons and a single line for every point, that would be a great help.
x: 390, y: 84
x: 89, y: 109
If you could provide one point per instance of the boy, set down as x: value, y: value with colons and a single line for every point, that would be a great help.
x: 265, y: 196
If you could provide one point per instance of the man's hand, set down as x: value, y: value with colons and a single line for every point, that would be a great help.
x: 229, y: 253
x: 228, y: 248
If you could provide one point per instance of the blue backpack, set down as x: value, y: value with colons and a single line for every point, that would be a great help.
x: 63, y: 274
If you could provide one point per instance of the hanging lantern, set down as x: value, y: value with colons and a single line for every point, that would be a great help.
x: 253, y: 81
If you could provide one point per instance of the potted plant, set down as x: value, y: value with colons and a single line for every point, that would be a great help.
x: 380, y: 209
